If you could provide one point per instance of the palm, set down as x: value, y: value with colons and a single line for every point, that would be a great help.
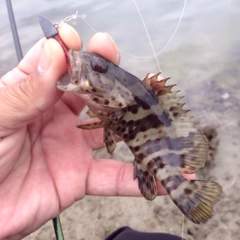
x: 51, y: 170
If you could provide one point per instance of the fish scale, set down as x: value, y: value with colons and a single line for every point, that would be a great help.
x: 147, y: 115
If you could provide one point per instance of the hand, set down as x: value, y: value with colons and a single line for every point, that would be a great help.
x: 46, y: 163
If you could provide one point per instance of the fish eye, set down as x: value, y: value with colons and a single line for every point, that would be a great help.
x: 99, y: 64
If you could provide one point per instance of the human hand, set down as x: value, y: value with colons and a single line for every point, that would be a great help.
x: 46, y: 163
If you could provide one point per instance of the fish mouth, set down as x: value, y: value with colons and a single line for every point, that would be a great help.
x: 64, y: 81
x: 65, y: 84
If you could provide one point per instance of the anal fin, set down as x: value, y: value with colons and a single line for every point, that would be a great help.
x: 146, y: 181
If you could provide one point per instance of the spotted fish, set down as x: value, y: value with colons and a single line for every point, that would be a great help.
x: 149, y: 118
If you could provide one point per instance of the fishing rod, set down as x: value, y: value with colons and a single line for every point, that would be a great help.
x: 56, y: 221
x: 14, y: 30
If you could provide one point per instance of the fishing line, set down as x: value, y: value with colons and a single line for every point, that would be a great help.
x: 170, y: 39
x: 83, y: 18
x: 148, y: 35
x: 182, y: 226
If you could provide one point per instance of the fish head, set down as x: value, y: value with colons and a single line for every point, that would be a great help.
x: 92, y: 78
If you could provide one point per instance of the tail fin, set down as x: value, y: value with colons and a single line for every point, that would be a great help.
x: 195, y: 198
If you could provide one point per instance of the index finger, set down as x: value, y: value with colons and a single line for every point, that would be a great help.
x: 109, y: 177
x: 31, y: 60
x: 114, y: 178
x: 104, y: 45
x: 100, y: 43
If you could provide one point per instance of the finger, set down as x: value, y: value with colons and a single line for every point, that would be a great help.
x: 30, y: 62
x: 95, y: 138
x: 103, y: 44
x: 26, y: 66
x: 72, y: 40
x: 113, y: 178
x: 74, y: 102
x: 26, y: 99
x: 189, y: 176
x: 70, y: 37
x: 32, y: 58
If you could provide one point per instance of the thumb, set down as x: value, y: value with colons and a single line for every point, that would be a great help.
x: 26, y: 99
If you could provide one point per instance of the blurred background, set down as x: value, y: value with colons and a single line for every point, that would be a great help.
x: 202, y: 58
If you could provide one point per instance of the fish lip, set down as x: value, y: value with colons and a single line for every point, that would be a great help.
x: 65, y: 84
x: 68, y: 88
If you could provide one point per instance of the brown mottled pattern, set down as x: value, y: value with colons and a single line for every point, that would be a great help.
x: 128, y: 128
x: 148, y: 116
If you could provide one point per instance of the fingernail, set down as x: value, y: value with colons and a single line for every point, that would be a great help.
x: 77, y: 38
x: 115, y: 46
x: 66, y: 32
x: 46, y: 58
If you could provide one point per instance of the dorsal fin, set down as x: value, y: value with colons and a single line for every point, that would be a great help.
x: 180, y: 122
x: 166, y: 97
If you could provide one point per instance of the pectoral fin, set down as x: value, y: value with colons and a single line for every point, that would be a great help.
x: 109, y: 139
x: 94, y: 125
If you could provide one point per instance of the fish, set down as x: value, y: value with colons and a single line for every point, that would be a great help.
x: 149, y: 117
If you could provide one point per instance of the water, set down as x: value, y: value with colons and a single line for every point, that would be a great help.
x: 208, y: 32
x: 203, y: 57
